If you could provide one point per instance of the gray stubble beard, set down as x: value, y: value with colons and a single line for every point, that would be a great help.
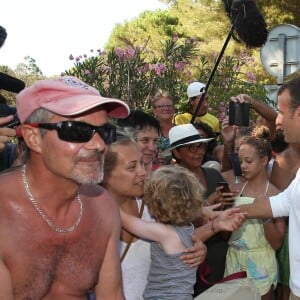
x: 95, y: 176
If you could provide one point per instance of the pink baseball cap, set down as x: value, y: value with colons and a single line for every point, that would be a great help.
x: 66, y: 96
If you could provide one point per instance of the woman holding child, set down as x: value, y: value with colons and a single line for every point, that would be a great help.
x: 124, y: 178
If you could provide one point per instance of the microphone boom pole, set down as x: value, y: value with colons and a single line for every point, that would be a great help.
x: 212, y: 74
x: 250, y: 26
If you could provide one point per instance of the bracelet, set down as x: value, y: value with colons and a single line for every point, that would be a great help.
x: 213, y: 228
x: 267, y: 221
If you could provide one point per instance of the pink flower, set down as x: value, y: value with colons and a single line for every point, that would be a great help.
x: 71, y: 57
x: 179, y: 66
x: 244, y: 55
x: 87, y: 72
x: 221, y: 107
x: 250, y: 77
x: 146, y: 67
x: 236, y: 68
x: 222, y: 116
x: 143, y: 69
x: 159, y: 68
x: 189, y: 74
x: 129, y: 53
x: 119, y: 52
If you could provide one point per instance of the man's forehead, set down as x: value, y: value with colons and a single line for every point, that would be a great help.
x: 99, y: 112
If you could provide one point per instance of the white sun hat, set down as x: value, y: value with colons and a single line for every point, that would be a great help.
x: 185, y: 134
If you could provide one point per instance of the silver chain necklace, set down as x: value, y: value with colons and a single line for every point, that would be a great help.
x: 42, y: 213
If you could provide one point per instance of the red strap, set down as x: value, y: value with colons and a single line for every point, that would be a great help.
x: 205, y: 270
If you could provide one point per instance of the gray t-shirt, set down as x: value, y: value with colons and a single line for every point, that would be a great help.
x: 169, y: 277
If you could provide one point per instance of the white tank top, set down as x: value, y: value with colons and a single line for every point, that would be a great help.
x: 136, y: 263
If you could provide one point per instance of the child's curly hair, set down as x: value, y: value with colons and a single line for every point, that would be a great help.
x: 173, y: 195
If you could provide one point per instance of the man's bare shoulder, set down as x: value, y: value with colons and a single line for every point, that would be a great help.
x: 285, y: 168
x: 9, y: 174
x: 273, y: 190
x: 10, y: 185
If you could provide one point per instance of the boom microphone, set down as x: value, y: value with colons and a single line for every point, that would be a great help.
x: 247, y: 21
x: 10, y: 83
x: 251, y: 28
x: 3, y: 35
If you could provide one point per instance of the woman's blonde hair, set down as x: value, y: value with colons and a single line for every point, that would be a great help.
x: 173, y: 195
x: 160, y: 94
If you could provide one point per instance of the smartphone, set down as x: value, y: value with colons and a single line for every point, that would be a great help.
x: 239, y: 113
x: 225, y: 186
x: 225, y: 204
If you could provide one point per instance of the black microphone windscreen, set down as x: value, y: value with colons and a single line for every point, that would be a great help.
x: 248, y: 22
x: 227, y: 6
x: 3, y: 35
x: 10, y: 83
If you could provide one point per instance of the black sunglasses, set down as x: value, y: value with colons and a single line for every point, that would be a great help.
x: 194, y: 147
x: 79, y: 132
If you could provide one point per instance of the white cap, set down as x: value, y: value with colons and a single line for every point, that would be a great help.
x: 195, y: 89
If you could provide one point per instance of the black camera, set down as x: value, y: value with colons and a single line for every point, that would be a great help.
x: 239, y: 113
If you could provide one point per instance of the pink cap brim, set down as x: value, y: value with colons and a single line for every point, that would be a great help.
x: 75, y: 105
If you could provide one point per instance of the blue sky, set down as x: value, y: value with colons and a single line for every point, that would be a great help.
x: 49, y: 31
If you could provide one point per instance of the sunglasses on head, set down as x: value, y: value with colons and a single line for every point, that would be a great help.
x: 79, y: 132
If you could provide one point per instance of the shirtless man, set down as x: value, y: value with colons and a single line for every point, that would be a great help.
x: 285, y: 166
x: 59, y: 230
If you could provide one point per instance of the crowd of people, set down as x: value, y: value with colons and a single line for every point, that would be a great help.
x: 104, y: 202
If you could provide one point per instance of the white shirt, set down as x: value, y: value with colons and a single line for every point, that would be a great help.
x: 285, y: 204
x: 136, y: 264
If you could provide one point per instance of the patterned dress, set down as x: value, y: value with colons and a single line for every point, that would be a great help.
x: 250, y: 251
